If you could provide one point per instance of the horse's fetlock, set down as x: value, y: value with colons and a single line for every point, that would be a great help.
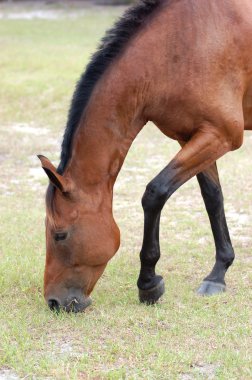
x: 229, y: 261
x: 226, y: 258
x: 152, y: 257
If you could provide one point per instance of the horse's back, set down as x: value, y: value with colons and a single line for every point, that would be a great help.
x: 197, y: 58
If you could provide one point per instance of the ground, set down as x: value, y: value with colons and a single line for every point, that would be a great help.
x: 43, y: 51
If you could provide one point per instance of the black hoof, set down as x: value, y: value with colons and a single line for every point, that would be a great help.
x: 209, y: 288
x: 152, y: 295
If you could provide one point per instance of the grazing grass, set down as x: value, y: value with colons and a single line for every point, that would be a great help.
x: 183, y: 337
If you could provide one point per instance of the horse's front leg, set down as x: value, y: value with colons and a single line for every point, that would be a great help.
x: 204, y: 148
x: 213, y: 198
x: 150, y: 285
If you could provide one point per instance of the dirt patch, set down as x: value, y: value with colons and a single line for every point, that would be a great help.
x: 41, y: 10
x: 37, y: 173
x: 7, y: 374
x: 47, y: 10
x: 207, y: 371
x: 238, y: 218
x: 3, y: 157
x: 40, y: 15
x: 27, y: 129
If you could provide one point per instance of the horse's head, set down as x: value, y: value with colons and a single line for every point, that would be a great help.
x: 81, y: 237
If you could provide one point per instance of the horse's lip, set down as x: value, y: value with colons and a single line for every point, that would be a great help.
x: 76, y: 305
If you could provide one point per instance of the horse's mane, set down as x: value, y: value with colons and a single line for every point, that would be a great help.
x: 113, y: 43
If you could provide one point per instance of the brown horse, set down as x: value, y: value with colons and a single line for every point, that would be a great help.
x: 185, y: 65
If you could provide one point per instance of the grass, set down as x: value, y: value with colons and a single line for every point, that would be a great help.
x: 184, y: 337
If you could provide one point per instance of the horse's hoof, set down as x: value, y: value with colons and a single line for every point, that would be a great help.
x: 152, y: 295
x: 209, y: 288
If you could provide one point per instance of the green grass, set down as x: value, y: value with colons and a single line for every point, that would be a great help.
x: 183, y: 337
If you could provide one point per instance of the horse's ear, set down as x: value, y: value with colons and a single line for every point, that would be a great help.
x: 55, y: 178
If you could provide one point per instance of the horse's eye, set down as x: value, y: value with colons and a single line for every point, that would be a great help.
x: 60, y: 236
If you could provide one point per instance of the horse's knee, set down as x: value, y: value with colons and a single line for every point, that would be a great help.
x: 154, y: 196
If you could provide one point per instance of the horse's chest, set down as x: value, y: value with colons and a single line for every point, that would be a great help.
x: 247, y: 109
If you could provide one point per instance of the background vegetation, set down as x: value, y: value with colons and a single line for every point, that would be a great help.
x: 43, y: 51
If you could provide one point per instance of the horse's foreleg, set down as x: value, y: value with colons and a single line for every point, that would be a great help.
x: 197, y: 155
x: 213, y: 198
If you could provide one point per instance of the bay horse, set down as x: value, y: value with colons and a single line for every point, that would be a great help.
x: 185, y: 65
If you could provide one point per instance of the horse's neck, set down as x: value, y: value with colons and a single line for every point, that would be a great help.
x: 111, y: 122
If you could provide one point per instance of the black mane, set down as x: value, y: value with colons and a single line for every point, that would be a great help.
x: 111, y: 46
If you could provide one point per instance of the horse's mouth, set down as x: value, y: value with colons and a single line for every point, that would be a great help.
x: 75, y: 305
x: 71, y: 305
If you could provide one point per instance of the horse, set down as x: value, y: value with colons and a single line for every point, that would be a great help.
x: 184, y: 65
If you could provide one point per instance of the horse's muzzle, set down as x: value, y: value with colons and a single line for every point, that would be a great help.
x: 71, y: 304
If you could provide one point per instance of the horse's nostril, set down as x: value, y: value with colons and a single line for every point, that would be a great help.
x: 54, y: 304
